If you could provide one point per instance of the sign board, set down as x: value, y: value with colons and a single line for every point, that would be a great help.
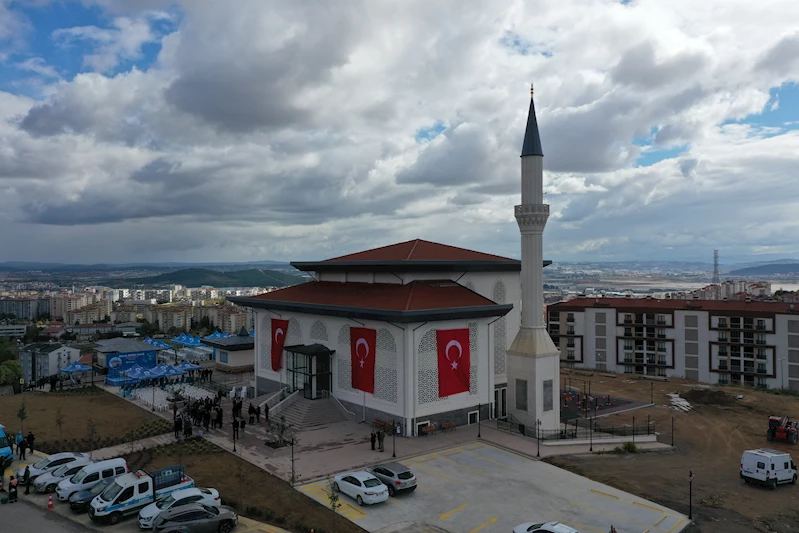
x: 119, y: 362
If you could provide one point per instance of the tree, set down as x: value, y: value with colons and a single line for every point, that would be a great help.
x: 8, y: 350
x: 31, y: 332
x: 333, y: 496
x: 91, y: 428
x: 22, y: 414
x: 10, y: 373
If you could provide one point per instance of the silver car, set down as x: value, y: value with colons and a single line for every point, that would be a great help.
x: 46, y: 483
x: 196, y: 518
x: 397, y: 477
x: 48, y: 464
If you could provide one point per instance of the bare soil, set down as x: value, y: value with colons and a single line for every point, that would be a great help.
x: 253, y: 492
x: 112, y: 416
x: 709, y: 441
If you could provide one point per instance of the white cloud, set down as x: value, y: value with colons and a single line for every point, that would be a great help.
x: 38, y: 65
x: 281, y: 131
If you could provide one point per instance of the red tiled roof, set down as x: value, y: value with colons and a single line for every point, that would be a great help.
x: 674, y: 304
x: 419, y: 250
x: 414, y: 296
x: 85, y: 359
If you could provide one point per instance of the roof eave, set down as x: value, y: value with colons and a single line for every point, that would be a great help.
x: 509, y: 265
x: 384, y: 315
x: 231, y: 347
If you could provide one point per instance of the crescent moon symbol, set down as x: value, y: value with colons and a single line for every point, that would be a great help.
x: 457, y: 345
x: 365, y: 344
x: 278, y: 331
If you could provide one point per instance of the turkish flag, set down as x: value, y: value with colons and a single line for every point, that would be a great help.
x: 454, y: 361
x: 279, y: 330
x: 363, y: 348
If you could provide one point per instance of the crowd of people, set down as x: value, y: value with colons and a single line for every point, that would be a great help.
x: 20, y: 445
x: 207, y: 414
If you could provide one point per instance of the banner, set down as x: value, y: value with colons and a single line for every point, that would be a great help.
x: 454, y: 361
x: 120, y: 362
x: 363, y: 348
x: 279, y: 330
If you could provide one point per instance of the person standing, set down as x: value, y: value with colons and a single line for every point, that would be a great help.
x: 178, y: 426
x: 243, y: 424
x: 381, y: 435
x: 31, y: 439
x: 22, y: 446
x: 266, y: 412
x: 373, y: 439
x: 251, y: 412
x: 19, y: 440
x: 12, y: 489
x: 235, y: 428
x: 258, y: 414
x: 27, y: 479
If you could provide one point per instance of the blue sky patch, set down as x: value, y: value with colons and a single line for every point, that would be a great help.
x: 428, y: 134
x: 521, y: 46
x: 781, y: 111
x: 649, y: 156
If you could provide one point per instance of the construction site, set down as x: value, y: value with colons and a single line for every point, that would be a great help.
x: 712, y: 427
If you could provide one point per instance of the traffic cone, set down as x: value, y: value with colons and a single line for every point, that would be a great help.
x: 50, y: 502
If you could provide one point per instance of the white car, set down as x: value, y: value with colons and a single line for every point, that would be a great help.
x: 543, y: 527
x: 47, y: 482
x: 177, y: 499
x: 362, y: 486
x: 48, y: 464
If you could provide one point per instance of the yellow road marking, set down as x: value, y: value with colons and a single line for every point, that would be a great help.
x: 428, y: 459
x: 661, y: 519
x: 453, y: 453
x: 490, y: 521
x: 442, y: 476
x: 422, y: 489
x: 681, y: 522
x: 605, y: 494
x: 468, y: 447
x: 639, y: 504
x: 452, y: 512
x: 619, y: 518
x: 464, y: 466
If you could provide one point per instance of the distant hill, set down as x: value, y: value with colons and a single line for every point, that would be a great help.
x: 767, y: 270
x: 195, y: 277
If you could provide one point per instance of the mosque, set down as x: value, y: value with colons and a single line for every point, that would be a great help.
x: 420, y: 332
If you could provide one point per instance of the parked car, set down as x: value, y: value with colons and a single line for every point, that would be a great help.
x: 79, y: 501
x: 48, y: 464
x: 90, y: 475
x: 362, y: 486
x: 48, y: 482
x: 397, y: 477
x: 178, y: 498
x: 545, y: 527
x: 196, y: 518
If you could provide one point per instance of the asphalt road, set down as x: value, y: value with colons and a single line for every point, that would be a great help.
x: 24, y: 517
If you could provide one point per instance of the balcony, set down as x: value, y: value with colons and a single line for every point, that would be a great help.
x: 760, y: 341
x: 761, y: 356
x: 735, y: 368
x: 761, y: 370
x: 570, y: 319
x: 661, y: 335
x: 761, y: 327
x: 722, y: 367
x: 628, y: 359
x: 570, y: 344
x: 749, y: 340
x: 660, y: 322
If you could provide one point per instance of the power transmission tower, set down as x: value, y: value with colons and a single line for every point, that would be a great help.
x: 716, y: 279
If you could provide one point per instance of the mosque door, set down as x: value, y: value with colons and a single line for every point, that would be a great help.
x: 501, y: 403
x: 297, y: 372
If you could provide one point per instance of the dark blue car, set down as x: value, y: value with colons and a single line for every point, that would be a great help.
x: 79, y: 502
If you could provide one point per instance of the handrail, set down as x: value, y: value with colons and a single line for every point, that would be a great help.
x: 341, y: 405
x: 281, y: 394
x: 288, y: 400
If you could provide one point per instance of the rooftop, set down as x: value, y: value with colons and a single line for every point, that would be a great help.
x: 242, y: 341
x: 43, y: 347
x: 418, y: 300
x: 674, y: 304
x: 123, y: 345
x: 415, y: 255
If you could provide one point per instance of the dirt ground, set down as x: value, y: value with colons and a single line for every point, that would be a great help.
x: 112, y: 416
x: 709, y: 441
x: 252, y: 491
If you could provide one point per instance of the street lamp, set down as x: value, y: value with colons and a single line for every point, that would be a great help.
x: 235, y: 430
x: 782, y: 372
x: 393, y: 438
x: 153, y: 397
x: 292, y: 461
x: 633, y: 430
x: 478, y: 420
x: 690, y: 495
x: 538, y: 437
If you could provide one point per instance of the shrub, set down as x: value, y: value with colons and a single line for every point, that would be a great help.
x: 280, y: 520
x: 629, y: 447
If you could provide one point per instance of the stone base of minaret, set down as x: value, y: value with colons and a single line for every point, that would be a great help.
x: 533, y: 369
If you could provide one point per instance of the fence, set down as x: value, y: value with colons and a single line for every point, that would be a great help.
x: 577, y: 429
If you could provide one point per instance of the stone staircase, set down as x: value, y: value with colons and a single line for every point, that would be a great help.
x: 311, y: 413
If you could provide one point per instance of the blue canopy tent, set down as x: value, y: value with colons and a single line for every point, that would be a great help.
x: 76, y: 367
x: 172, y: 371
x: 133, y: 372
x: 159, y: 370
x: 186, y: 366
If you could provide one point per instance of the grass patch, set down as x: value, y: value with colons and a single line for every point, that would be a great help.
x: 253, y: 492
x: 627, y: 447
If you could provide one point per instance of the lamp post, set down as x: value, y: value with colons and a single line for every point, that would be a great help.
x: 153, y: 385
x: 633, y: 430
x: 672, y: 432
x: 538, y: 437
x: 393, y: 438
x: 234, y: 434
x: 292, y: 461
x: 652, y: 392
x: 690, y: 495
x: 478, y: 420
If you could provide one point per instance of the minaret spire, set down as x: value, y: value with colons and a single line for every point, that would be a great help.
x: 533, y: 360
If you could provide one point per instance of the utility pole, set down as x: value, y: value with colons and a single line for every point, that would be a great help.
x: 478, y: 420
x: 691, y: 495
x: 538, y: 437
x: 292, y: 461
x: 393, y: 438
x: 672, y: 432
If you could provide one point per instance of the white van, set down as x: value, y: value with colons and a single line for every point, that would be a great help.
x: 90, y: 475
x: 767, y: 467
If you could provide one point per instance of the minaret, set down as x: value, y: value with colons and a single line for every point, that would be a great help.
x: 533, y: 361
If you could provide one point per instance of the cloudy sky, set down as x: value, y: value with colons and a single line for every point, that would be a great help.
x: 149, y: 130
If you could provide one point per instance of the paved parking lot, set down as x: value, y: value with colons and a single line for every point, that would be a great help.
x: 477, y: 487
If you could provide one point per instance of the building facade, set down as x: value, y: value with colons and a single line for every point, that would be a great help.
x: 42, y: 360
x: 718, y: 342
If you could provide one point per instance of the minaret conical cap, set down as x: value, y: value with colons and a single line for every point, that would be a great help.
x: 532, y: 140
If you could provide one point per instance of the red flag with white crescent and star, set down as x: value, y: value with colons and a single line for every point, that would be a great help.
x: 279, y: 330
x: 363, y: 347
x: 454, y: 361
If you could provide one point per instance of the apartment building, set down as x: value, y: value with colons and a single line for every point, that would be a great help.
x: 31, y: 308
x: 90, y: 313
x: 711, y: 341
x: 61, y: 305
x: 43, y: 360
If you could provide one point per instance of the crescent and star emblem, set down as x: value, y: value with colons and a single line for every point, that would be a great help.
x: 457, y: 345
x: 365, y: 344
x: 278, y: 331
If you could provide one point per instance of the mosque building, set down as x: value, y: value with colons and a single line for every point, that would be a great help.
x: 419, y: 332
